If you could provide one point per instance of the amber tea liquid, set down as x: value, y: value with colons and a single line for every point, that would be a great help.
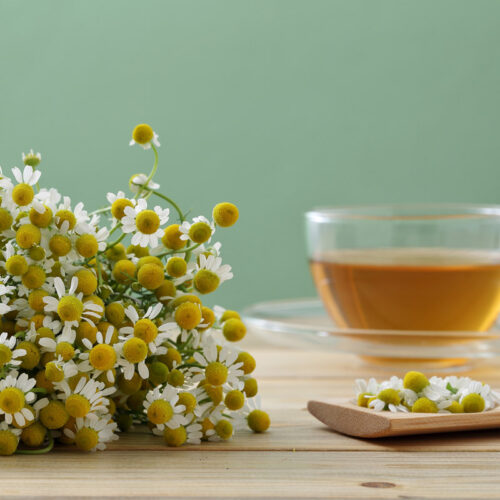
x: 410, y: 289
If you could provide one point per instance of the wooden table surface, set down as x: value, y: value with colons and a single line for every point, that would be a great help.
x: 297, y: 458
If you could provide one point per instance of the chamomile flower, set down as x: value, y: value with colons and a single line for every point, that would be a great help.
x: 15, y: 392
x: 9, y: 438
x: 132, y: 356
x: 92, y: 434
x: 101, y: 357
x: 88, y: 399
x: 199, y: 231
x: 218, y: 367
x: 8, y: 353
x: 144, y: 328
x: 144, y: 223
x: 22, y: 194
x: 70, y: 307
x: 60, y: 369
x: 144, y: 135
x: 190, y: 434
x: 210, y: 273
x: 162, y: 409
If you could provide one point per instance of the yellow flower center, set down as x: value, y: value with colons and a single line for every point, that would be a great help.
x: 172, y: 238
x: 118, y: 207
x: 66, y: 350
x: 5, y: 219
x: 188, y: 315
x: 415, y: 381
x: 146, y: 330
x: 159, y: 412
x: 389, y: 396
x: 135, y: 350
x: 455, y: 407
x: 248, y: 361
x: 188, y: 400
x: 87, y: 245
x: 54, y: 415
x: 41, y: 220
x: 176, y: 378
x: 258, y: 421
x: 28, y: 235
x: 60, y: 245
x: 234, y: 400
x: 36, y: 253
x: 225, y: 214
x: 23, y: 194
x: 124, y: 271
x: 34, y: 277
x: 150, y: 276
x: 102, y: 357
x: 175, y: 437
x: 87, y: 282
x: 200, y: 232
x: 224, y: 429
x: 473, y: 403
x: 176, y: 267
x: 234, y: 329
x: 86, y: 439
x: 32, y: 356
x: 70, y: 308
x: 53, y: 372
x: 251, y: 387
x: 5, y: 355
x: 116, y: 252
x: 216, y: 373
x: 34, y: 435
x: 77, y: 406
x: 16, y: 265
x: 206, y: 281
x: 158, y: 372
x: 63, y: 216
x: 12, y: 400
x: 115, y: 313
x: 147, y: 221
x: 142, y: 133
x: 8, y: 442
x: 424, y: 405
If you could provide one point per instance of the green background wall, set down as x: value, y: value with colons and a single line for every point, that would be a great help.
x: 277, y: 105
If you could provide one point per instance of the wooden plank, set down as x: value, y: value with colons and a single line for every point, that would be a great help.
x: 298, y: 430
x: 197, y: 474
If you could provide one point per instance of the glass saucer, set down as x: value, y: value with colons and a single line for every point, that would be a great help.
x: 302, y: 323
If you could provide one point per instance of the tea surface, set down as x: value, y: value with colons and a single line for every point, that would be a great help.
x: 410, y: 289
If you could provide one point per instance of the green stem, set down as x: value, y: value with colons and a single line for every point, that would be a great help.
x: 151, y: 175
x: 99, y: 271
x: 182, y: 250
x: 168, y: 200
x: 40, y: 451
x: 111, y: 245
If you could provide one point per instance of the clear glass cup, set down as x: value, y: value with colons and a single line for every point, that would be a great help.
x: 407, y: 267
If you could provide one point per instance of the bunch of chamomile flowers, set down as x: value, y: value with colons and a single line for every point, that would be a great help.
x: 417, y: 394
x: 97, y: 337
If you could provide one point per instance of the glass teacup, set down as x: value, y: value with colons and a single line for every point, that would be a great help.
x: 407, y: 267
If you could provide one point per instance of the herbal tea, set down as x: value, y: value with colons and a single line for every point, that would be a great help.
x: 410, y: 289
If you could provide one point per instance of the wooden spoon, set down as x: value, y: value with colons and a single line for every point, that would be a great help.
x: 348, y: 418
